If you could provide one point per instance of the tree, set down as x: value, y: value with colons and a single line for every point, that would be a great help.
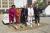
x: 41, y: 4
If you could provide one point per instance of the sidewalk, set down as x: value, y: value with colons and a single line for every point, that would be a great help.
x: 43, y: 28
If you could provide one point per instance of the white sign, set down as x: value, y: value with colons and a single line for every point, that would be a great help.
x: 20, y: 3
x: 5, y: 18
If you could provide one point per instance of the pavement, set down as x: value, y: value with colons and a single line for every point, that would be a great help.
x: 43, y: 28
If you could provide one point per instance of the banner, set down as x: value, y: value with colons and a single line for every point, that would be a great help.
x: 20, y: 3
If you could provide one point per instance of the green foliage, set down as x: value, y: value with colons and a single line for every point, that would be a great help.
x: 41, y: 3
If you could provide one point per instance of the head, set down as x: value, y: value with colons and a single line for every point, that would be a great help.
x: 20, y: 9
x: 30, y: 6
x: 13, y: 6
x: 48, y: 3
x: 37, y: 5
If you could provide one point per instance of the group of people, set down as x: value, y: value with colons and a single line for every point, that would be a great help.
x: 24, y: 15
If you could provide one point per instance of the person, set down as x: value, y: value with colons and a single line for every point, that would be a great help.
x: 24, y: 14
x: 18, y: 14
x: 12, y: 14
x: 30, y: 15
x: 37, y: 14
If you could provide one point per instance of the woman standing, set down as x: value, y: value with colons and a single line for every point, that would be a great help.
x: 30, y: 15
x: 12, y: 14
x: 18, y: 14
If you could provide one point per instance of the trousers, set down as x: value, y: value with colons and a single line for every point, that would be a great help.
x: 30, y: 18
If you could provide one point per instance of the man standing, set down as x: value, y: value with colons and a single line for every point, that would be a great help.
x: 36, y: 14
x: 24, y: 14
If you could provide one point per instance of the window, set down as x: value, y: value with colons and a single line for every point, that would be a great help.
x: 5, y: 6
x: 29, y: 1
x: 4, y: 0
x: 4, y: 3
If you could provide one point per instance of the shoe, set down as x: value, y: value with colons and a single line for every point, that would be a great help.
x: 38, y: 24
x: 28, y: 23
x: 35, y: 23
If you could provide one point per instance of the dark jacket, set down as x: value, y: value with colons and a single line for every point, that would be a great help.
x: 36, y: 10
x: 24, y: 12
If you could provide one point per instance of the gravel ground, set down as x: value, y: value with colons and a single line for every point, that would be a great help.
x: 43, y: 28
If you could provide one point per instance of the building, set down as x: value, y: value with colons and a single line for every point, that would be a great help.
x: 4, y: 4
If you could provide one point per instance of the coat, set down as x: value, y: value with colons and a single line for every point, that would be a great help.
x: 11, y: 14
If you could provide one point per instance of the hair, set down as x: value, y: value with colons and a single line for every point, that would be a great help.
x: 13, y: 5
x: 48, y: 3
